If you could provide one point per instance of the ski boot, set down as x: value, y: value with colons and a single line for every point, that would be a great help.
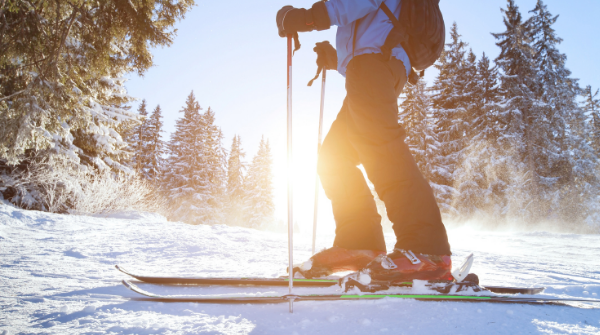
x: 401, y: 266
x: 404, y: 265
x: 336, y: 259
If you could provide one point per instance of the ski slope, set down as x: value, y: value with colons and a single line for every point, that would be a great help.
x: 57, y: 276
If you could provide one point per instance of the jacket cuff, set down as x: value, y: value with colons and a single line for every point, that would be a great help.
x: 320, y: 16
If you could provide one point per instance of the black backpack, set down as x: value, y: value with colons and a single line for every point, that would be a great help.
x: 421, y: 32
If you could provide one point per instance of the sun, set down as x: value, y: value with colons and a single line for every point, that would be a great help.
x: 304, y: 177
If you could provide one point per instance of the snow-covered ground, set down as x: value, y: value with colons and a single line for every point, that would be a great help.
x: 57, y: 276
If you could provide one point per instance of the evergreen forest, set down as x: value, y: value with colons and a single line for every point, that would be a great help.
x: 515, y: 138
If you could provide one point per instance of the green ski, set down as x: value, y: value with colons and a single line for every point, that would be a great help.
x: 343, y: 297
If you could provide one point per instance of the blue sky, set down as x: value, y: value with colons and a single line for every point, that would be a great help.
x: 229, y: 53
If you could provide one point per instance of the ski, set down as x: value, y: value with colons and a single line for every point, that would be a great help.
x: 440, y: 286
x: 346, y: 297
x: 298, y: 282
x: 231, y: 281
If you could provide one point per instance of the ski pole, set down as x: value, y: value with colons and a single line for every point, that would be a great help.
x: 318, y: 150
x: 289, y: 168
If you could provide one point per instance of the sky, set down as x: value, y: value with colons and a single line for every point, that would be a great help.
x: 229, y: 54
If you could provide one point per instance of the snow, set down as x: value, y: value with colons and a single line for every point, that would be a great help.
x: 57, y: 276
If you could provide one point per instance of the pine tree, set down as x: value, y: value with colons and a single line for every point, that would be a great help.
x: 485, y: 124
x: 196, y: 166
x: 591, y: 110
x: 591, y: 107
x: 562, y: 140
x: 259, y: 187
x: 523, y: 119
x: 62, y: 70
x: 415, y: 116
x: 138, y: 139
x: 556, y: 93
x: 583, y: 181
x: 186, y: 144
x: 63, y: 66
x: 132, y: 134
x: 470, y: 98
x: 450, y: 102
x: 235, y: 181
x: 480, y: 178
x: 213, y: 171
x: 153, y: 148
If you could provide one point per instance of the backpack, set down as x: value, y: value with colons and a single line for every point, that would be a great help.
x: 421, y: 32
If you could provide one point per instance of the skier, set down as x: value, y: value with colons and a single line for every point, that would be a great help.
x: 366, y: 131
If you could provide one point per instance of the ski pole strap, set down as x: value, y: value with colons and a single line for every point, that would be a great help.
x: 319, y: 69
x: 326, y: 58
x: 297, y: 44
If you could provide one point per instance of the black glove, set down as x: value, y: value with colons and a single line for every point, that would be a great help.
x: 326, y: 58
x: 291, y: 20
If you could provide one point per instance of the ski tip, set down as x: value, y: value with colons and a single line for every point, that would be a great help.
x: 129, y: 285
x: 515, y: 290
x: 122, y: 269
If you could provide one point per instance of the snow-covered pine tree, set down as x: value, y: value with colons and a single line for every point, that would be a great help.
x: 213, y: 170
x: 583, y: 183
x: 486, y: 116
x: 153, y: 150
x: 558, y: 94
x: 591, y: 109
x: 260, y: 207
x: 480, y: 178
x: 62, y: 71
x: 195, y: 173
x: 62, y: 74
x: 524, y: 120
x: 235, y: 182
x: 185, y: 147
x: 450, y: 102
x: 136, y: 136
x: 591, y: 106
x: 415, y: 116
x: 470, y: 99
x: 130, y: 133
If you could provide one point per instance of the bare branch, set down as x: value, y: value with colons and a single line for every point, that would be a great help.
x: 14, y: 94
x: 64, y: 35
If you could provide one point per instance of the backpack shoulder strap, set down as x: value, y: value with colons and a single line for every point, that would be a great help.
x: 387, y: 11
x: 390, y: 15
x: 397, y: 36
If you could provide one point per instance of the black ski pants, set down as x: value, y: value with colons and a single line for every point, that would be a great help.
x: 366, y: 131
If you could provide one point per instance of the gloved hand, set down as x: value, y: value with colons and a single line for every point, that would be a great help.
x: 291, y: 20
x: 326, y: 58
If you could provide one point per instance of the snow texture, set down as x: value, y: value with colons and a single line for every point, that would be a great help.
x: 57, y: 276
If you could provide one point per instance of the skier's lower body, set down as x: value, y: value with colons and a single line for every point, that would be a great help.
x: 367, y: 132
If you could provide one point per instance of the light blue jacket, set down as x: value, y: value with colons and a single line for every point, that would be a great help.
x: 372, y: 30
